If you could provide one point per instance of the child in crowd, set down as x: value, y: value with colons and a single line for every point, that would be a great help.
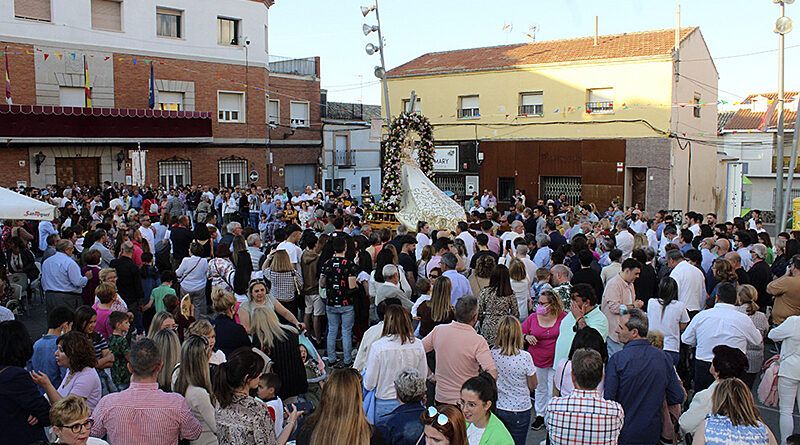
x: 423, y: 286
x: 182, y: 318
x: 159, y: 294
x: 119, y: 346
x: 105, y: 293
x: 268, y: 386
x: 315, y: 375
x: 542, y: 283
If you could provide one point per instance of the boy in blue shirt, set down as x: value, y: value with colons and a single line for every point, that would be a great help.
x: 59, y: 322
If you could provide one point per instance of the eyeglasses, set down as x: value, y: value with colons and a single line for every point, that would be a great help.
x: 435, y: 416
x: 79, y: 426
x: 433, y: 277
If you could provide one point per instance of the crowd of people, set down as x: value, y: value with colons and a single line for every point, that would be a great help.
x: 256, y: 316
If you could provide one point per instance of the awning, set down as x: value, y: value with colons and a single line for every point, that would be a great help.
x: 16, y: 206
x: 28, y: 122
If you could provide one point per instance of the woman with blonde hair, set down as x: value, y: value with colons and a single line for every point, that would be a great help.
x: 640, y: 241
x: 438, y: 310
x: 170, y: 348
x: 521, y: 287
x: 734, y: 418
x: 109, y: 276
x: 204, y: 328
x: 340, y: 417
x: 161, y: 320
x: 257, y: 296
x: 286, y: 282
x: 282, y: 344
x: 516, y: 378
x: 396, y: 349
x: 746, y: 298
x: 194, y: 383
x: 479, y: 278
x: 230, y: 335
x: 72, y: 423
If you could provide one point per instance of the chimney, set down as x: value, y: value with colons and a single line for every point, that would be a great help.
x: 596, y: 29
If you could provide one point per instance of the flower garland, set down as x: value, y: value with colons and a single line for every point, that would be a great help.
x: 391, y: 147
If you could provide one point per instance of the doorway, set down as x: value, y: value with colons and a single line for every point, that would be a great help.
x: 639, y: 187
x: 83, y: 171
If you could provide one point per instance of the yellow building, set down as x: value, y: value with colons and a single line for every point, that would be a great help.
x: 590, y: 117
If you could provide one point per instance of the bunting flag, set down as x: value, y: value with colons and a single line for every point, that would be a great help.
x: 8, y: 82
x: 87, y: 90
x: 764, y: 124
x: 152, y: 88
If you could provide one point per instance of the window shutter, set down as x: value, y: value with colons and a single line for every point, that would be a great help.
x: 169, y: 97
x: 32, y: 9
x: 299, y: 110
x: 230, y: 102
x: 107, y: 14
x: 468, y: 102
x: 532, y: 99
x: 274, y: 112
x: 601, y: 95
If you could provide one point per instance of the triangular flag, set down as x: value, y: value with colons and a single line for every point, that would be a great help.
x: 46, y: 56
x: 73, y: 55
x: 59, y: 55
x: 134, y: 60
x: 87, y: 89
x: 106, y: 58
x: 8, y: 83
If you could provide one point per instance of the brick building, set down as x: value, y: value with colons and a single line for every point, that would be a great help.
x: 222, y: 114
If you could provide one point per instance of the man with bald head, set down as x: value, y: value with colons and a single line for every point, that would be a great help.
x: 61, y: 278
x: 736, y: 262
x: 723, y: 246
x: 707, y: 251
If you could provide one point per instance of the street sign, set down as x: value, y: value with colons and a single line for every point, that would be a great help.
x: 253, y: 176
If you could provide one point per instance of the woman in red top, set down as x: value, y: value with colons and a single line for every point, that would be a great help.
x: 541, y: 331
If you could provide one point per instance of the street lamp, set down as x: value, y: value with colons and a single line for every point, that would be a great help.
x: 782, y: 27
x: 380, y: 71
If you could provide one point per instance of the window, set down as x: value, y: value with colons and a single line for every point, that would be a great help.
x: 505, y: 189
x: 299, y: 114
x: 365, y: 184
x: 71, y: 96
x: 228, y: 31
x: 107, y: 15
x: 468, y: 107
x: 171, y: 101
x: 230, y: 107
x: 174, y: 173
x: 335, y: 185
x: 551, y: 187
x: 32, y: 10
x: 417, y: 105
x: 342, y: 150
x: 600, y: 101
x: 274, y: 112
x: 232, y: 172
x: 696, y: 102
x: 168, y: 23
x: 531, y: 104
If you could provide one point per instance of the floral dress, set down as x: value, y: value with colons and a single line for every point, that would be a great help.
x: 491, y: 309
x: 720, y: 431
x: 245, y: 422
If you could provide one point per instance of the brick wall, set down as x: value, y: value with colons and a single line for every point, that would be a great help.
x: 284, y: 156
x: 21, y: 68
x: 205, y: 161
x: 12, y: 171
x: 132, y: 86
x: 291, y: 88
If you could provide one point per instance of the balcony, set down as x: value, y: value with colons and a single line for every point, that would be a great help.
x: 296, y: 67
x: 531, y: 110
x: 600, y: 107
x: 469, y: 113
x: 343, y: 158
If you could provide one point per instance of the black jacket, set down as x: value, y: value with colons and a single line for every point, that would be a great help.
x: 230, y: 336
x: 181, y: 237
x: 28, y: 264
x: 760, y: 275
x: 129, y: 281
x: 591, y: 277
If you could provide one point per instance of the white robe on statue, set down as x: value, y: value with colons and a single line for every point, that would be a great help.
x: 422, y: 200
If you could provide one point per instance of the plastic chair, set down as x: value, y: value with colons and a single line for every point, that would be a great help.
x: 36, y: 285
x: 16, y: 304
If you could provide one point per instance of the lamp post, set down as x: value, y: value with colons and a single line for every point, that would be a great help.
x: 782, y: 27
x: 380, y: 71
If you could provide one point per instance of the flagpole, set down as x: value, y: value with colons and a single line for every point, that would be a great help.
x: 9, y: 101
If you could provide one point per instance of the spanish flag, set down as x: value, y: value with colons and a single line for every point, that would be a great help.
x: 8, y: 82
x: 87, y: 90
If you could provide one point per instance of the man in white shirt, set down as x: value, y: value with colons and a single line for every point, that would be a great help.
x: 652, y: 236
x: 707, y: 247
x: 668, y: 236
x: 543, y: 253
x: 148, y: 234
x: 293, y: 234
x: 462, y: 233
x: 742, y: 242
x: 624, y: 239
x: 530, y: 267
x: 691, y: 282
x: 755, y: 215
x: 694, y: 222
x: 637, y: 224
x: 459, y: 283
x: 721, y: 325
x: 517, y: 231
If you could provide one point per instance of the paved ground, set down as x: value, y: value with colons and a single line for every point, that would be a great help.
x: 36, y: 322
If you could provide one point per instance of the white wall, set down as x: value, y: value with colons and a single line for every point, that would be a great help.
x: 366, y: 158
x: 71, y: 27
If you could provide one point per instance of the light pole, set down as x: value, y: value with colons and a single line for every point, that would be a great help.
x: 380, y: 71
x: 782, y: 27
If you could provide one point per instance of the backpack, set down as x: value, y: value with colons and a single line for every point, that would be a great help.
x: 768, y: 388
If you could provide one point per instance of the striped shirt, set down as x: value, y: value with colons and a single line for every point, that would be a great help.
x: 583, y: 418
x: 143, y: 414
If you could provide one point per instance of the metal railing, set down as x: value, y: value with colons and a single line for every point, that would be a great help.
x: 464, y: 113
x: 298, y: 67
x: 343, y: 158
x: 599, y: 107
x: 531, y: 110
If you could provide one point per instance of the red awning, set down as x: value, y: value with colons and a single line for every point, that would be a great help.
x: 35, y: 121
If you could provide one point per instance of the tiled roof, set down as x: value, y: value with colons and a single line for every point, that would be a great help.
x: 353, y: 112
x: 636, y: 44
x: 788, y: 95
x: 745, y: 119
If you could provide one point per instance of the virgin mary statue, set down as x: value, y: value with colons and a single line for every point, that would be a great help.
x: 421, y: 199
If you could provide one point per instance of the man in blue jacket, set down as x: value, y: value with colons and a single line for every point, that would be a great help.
x: 640, y: 377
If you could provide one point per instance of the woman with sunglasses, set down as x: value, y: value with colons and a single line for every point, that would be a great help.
x: 445, y: 426
x: 257, y: 297
x: 478, y: 402
x: 71, y: 422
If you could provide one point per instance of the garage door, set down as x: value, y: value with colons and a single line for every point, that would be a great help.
x: 298, y: 176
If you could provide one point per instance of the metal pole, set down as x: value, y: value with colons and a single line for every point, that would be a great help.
x: 383, y: 66
x: 780, y: 213
x: 792, y: 163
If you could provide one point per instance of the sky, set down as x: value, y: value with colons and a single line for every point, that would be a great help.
x: 331, y: 29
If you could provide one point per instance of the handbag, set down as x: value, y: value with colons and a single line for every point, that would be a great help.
x: 768, y: 387
x: 298, y: 294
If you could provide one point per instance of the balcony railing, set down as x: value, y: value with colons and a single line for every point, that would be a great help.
x: 600, y: 107
x: 531, y: 110
x: 297, y: 67
x: 343, y: 158
x: 466, y: 113
x: 297, y: 123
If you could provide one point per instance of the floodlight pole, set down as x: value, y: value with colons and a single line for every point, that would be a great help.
x: 384, y: 81
x: 780, y: 212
